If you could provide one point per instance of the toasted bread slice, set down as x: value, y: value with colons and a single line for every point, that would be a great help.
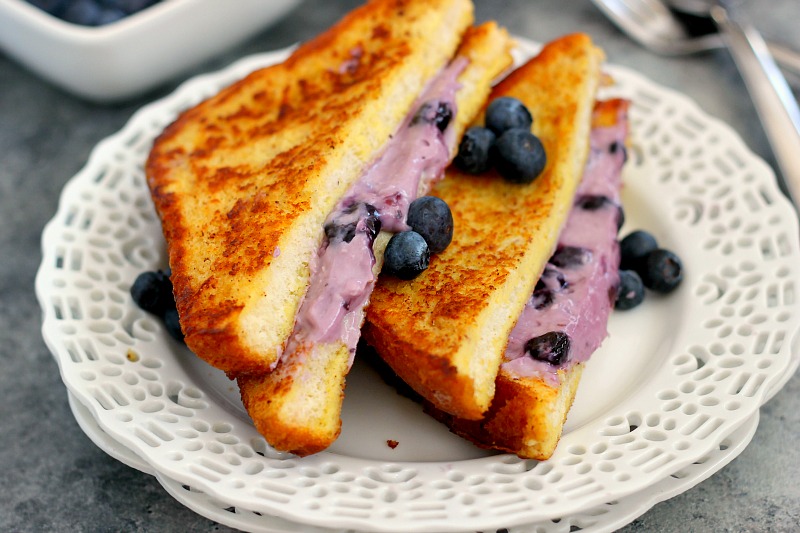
x: 243, y: 181
x: 532, y: 399
x: 297, y: 406
x: 444, y: 333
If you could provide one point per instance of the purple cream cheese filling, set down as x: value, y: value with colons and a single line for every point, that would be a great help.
x: 565, y: 320
x: 342, y: 274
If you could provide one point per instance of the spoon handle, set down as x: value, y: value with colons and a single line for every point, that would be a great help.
x: 773, y: 99
x: 784, y: 56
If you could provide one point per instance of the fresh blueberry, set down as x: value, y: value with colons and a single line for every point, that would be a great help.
x: 431, y: 217
x: 506, y: 113
x: 552, y: 347
x: 437, y: 113
x: 662, y: 271
x: 630, y: 292
x: 473, y: 152
x: 152, y: 292
x: 172, y: 323
x: 406, y: 255
x: 519, y: 155
x: 634, y: 247
x: 570, y: 257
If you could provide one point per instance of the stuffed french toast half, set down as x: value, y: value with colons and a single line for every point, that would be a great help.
x: 297, y: 406
x: 277, y: 194
x: 445, y: 332
x: 565, y: 319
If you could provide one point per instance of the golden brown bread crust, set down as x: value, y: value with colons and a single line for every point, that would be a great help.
x: 243, y: 181
x: 297, y: 406
x: 527, y: 414
x: 445, y: 332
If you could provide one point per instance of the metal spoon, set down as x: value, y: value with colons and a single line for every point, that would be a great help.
x: 772, y: 97
x: 653, y: 25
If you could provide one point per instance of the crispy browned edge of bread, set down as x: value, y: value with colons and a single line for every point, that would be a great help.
x: 527, y: 414
x: 417, y: 326
x: 297, y: 407
x: 222, y: 310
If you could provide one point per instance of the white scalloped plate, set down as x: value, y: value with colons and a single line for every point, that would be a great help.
x: 675, y: 376
x: 606, y: 517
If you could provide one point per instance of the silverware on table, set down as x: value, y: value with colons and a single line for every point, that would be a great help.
x: 648, y: 22
x: 654, y: 26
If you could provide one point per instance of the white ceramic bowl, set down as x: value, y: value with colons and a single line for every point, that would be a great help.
x: 125, y: 58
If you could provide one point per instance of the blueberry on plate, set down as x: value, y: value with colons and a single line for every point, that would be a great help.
x: 552, y: 347
x: 172, y: 324
x: 152, y: 292
x: 407, y: 255
x: 431, y: 217
x: 661, y: 271
x: 634, y: 247
x: 473, y: 152
x: 505, y: 113
x: 631, y: 290
x: 519, y: 156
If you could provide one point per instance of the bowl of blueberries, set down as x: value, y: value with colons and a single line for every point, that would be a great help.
x: 112, y: 50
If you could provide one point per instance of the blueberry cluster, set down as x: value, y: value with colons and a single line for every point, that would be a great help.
x: 505, y: 143
x: 644, y: 264
x: 408, y: 253
x: 152, y: 292
x: 92, y: 12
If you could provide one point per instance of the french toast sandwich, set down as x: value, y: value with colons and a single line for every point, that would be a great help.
x: 297, y: 406
x: 276, y: 197
x: 445, y: 332
x: 536, y: 384
x: 244, y: 181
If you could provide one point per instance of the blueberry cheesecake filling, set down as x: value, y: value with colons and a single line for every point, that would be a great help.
x: 565, y: 319
x: 342, y: 271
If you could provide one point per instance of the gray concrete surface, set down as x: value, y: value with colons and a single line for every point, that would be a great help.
x: 54, y: 478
